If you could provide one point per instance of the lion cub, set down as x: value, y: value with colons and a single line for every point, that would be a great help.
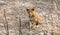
x: 35, y: 19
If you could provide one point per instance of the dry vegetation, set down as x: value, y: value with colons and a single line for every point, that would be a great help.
x: 14, y: 18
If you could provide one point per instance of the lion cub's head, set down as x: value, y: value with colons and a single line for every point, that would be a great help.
x: 30, y: 10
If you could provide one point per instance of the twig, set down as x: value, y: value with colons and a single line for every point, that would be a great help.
x: 6, y: 23
x: 20, y: 32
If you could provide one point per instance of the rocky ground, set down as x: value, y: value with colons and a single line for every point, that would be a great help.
x: 49, y: 10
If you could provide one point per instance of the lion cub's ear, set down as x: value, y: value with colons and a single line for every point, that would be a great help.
x: 27, y: 9
x: 32, y: 9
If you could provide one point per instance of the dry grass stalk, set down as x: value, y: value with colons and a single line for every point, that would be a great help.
x: 6, y: 24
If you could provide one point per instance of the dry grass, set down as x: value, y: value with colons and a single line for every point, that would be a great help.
x: 6, y: 23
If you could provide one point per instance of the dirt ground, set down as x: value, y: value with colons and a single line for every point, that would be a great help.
x: 49, y: 10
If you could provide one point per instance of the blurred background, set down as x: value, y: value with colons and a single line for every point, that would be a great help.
x: 14, y: 17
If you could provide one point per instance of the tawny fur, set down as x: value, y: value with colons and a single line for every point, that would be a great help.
x: 35, y: 19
